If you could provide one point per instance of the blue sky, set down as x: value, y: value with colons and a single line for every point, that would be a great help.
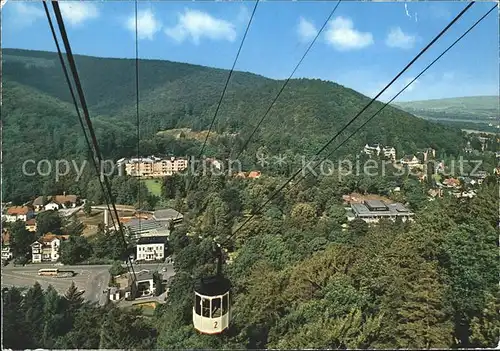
x: 363, y: 46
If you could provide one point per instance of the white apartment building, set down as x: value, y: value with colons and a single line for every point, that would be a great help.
x: 46, y: 249
x: 153, y: 166
x: 151, y: 248
x: 18, y: 213
x: 388, y: 151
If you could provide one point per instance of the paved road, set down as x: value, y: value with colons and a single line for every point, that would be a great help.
x: 67, y: 212
x: 93, y: 279
x: 118, y: 208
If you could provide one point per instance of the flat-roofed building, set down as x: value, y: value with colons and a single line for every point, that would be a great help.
x: 371, y: 211
x: 168, y: 215
x: 153, y: 166
x: 140, y: 228
x: 151, y: 248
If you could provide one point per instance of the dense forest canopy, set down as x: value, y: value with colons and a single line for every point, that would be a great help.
x: 40, y: 121
x: 301, y: 280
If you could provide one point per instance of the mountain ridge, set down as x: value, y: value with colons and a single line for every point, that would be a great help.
x: 306, y: 115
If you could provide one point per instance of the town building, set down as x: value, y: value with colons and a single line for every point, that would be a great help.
x: 151, y: 248
x: 31, y: 225
x: 410, y: 161
x: 46, y: 248
x: 254, y: 174
x: 55, y: 202
x: 51, y: 206
x: 426, y: 154
x: 480, y: 176
x: 371, y: 211
x: 387, y: 151
x: 151, y: 167
x: 372, y: 150
x: 139, y: 228
x: 18, y: 213
x: 468, y: 148
x: 6, y: 250
x: 451, y: 182
x: 145, y: 286
x: 167, y: 216
x: 40, y: 202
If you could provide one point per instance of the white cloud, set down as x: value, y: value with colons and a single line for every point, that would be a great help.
x: 147, y: 24
x: 343, y: 36
x: 243, y: 15
x: 398, y: 39
x: 78, y: 12
x: 196, y: 24
x: 306, y: 30
x: 406, y: 10
x: 25, y: 15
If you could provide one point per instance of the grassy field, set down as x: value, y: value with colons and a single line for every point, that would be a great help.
x: 147, y: 309
x: 154, y: 186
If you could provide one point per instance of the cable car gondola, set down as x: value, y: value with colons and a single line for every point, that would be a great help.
x: 211, y: 310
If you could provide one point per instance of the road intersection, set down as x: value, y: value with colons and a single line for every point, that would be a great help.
x: 92, y: 279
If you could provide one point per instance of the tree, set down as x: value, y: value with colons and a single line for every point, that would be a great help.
x: 86, y: 329
x: 21, y: 239
x: 486, y: 326
x: 117, y: 269
x: 33, y: 308
x: 74, y: 250
x: 109, y: 245
x: 48, y: 222
x: 358, y: 228
x: 121, y: 330
x: 87, y: 208
x: 471, y: 271
x: 15, y: 332
x: 302, y: 215
x: 337, y: 213
x: 73, y: 298
x: 423, y: 322
x: 54, y: 317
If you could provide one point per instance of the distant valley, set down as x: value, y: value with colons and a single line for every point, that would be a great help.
x: 471, y: 112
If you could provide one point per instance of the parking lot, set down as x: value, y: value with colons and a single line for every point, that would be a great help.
x: 92, y: 279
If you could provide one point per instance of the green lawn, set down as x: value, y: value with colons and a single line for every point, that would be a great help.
x: 154, y: 186
x: 146, y: 309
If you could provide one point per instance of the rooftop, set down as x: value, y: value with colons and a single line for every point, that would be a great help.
x: 167, y: 214
x: 144, y: 275
x: 18, y: 210
x: 375, y: 205
x: 141, y: 225
x: 152, y: 240
x: 61, y: 199
x: 365, y: 210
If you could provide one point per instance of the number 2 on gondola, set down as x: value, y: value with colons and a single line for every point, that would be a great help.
x: 215, y: 325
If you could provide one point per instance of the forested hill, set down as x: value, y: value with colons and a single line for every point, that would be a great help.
x: 174, y: 95
x: 40, y: 121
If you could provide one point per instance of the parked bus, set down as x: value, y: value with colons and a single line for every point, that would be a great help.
x: 48, y: 272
